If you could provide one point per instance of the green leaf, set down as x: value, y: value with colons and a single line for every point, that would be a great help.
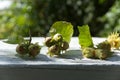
x: 64, y: 28
x: 85, y: 39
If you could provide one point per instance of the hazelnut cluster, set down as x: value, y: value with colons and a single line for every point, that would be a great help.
x: 102, y: 51
x: 56, y: 44
x: 27, y: 48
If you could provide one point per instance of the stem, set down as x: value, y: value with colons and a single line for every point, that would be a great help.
x: 30, y: 37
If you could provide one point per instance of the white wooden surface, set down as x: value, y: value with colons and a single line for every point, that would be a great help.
x: 70, y: 66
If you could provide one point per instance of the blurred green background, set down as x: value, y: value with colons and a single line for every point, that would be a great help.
x: 103, y: 16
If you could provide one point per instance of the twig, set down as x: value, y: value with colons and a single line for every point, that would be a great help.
x: 30, y: 37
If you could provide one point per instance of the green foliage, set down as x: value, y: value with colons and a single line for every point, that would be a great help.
x: 19, y: 18
x: 74, y: 11
x: 39, y: 15
x: 14, y: 39
x: 85, y: 39
x: 64, y: 28
x: 14, y: 20
x: 112, y: 19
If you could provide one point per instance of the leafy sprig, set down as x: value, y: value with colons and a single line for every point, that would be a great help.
x: 101, y: 51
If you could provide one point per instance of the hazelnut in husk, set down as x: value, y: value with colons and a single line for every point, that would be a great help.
x: 48, y: 41
x: 34, y: 49
x: 57, y: 37
x: 64, y: 45
x: 22, y: 49
x: 100, y: 54
x: 54, y: 50
x: 88, y: 52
